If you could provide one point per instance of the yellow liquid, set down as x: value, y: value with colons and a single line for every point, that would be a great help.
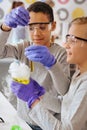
x: 22, y: 81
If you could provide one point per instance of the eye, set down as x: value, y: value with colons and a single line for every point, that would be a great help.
x: 72, y: 40
x: 31, y: 28
x: 42, y: 26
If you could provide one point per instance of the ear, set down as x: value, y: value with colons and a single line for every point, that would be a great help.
x: 53, y: 26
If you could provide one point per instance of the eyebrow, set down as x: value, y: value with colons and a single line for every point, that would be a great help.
x: 79, y: 38
x: 39, y: 23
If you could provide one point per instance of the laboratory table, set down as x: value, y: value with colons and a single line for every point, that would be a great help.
x: 10, y: 116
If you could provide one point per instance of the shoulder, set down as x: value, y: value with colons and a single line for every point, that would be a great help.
x: 81, y: 80
x: 58, y: 47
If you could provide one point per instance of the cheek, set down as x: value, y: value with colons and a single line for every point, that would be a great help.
x: 72, y: 56
x: 47, y: 36
x: 76, y: 55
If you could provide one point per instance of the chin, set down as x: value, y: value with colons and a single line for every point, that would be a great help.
x: 38, y: 43
x: 69, y: 60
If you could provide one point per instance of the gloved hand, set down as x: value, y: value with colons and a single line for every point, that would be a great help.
x: 18, y: 16
x: 29, y: 92
x: 40, y: 54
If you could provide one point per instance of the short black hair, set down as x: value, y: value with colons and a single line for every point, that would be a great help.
x: 42, y: 7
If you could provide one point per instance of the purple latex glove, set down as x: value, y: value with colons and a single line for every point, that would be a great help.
x: 40, y: 54
x: 27, y: 92
x: 18, y: 16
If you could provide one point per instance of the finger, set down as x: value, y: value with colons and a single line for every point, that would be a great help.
x: 23, y: 11
x: 19, y: 19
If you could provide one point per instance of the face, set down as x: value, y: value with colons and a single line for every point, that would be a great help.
x: 75, y: 46
x: 40, y: 28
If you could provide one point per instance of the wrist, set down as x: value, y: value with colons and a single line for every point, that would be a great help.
x: 36, y: 102
x: 52, y: 62
x: 5, y: 28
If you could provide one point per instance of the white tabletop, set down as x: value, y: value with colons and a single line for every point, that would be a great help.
x: 9, y: 114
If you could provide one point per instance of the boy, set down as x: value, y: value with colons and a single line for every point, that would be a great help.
x: 50, y: 67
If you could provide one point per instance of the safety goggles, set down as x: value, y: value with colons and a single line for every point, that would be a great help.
x: 71, y: 39
x: 42, y: 27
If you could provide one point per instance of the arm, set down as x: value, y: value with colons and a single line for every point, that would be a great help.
x: 43, y: 117
x: 54, y: 61
x: 18, y: 16
x: 3, y: 39
x: 75, y: 118
x: 51, y: 103
x: 21, y: 73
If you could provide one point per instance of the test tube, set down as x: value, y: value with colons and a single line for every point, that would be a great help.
x: 31, y: 64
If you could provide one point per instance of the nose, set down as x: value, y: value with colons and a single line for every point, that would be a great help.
x: 66, y: 45
x: 36, y: 31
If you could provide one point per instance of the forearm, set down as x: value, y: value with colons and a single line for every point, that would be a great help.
x: 49, y: 102
x: 6, y: 49
x: 44, y: 118
x: 3, y: 39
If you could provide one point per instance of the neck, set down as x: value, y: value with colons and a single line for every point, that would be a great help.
x: 48, y: 45
x: 83, y: 68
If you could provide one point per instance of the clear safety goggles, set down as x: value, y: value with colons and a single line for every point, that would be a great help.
x: 71, y: 39
x: 42, y: 27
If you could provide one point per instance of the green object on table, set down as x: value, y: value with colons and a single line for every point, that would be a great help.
x: 16, y: 127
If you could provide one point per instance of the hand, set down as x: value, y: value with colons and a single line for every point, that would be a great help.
x: 40, y: 54
x: 18, y: 16
x: 29, y: 92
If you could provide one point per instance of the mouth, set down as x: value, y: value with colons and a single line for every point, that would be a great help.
x: 69, y: 53
x: 37, y: 40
